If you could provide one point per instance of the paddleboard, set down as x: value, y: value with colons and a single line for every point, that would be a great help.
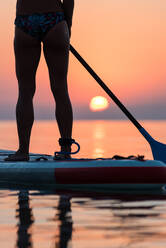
x: 84, y: 173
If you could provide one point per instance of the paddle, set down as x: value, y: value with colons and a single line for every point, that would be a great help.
x: 158, y: 149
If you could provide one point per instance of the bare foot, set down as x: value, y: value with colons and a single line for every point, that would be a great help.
x: 18, y: 156
x: 61, y: 156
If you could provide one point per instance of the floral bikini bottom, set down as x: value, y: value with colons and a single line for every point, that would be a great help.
x: 37, y: 25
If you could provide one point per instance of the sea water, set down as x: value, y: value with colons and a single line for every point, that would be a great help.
x: 63, y: 219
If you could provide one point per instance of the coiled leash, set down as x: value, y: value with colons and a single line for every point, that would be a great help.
x: 66, y: 142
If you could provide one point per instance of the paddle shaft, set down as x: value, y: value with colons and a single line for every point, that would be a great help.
x: 105, y: 88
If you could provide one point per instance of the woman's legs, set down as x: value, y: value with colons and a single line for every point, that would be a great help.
x: 56, y: 51
x: 27, y: 55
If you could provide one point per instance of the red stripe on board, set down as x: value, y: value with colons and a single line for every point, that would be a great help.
x: 110, y: 175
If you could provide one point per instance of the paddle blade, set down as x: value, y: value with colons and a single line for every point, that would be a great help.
x: 158, y: 150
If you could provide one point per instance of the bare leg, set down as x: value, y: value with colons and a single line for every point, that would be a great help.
x: 27, y: 56
x: 56, y: 51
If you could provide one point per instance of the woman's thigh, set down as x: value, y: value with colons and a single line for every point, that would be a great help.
x: 27, y: 55
x: 56, y: 46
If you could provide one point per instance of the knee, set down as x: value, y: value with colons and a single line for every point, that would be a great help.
x: 59, y: 87
x: 26, y: 93
x: 60, y: 93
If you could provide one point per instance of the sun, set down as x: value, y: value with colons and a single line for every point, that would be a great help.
x: 98, y: 103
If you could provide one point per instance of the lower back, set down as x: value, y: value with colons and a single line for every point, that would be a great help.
x: 38, y: 6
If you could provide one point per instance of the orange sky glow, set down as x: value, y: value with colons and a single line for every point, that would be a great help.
x: 124, y: 42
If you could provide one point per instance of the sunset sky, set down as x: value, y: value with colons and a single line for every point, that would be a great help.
x: 125, y: 43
